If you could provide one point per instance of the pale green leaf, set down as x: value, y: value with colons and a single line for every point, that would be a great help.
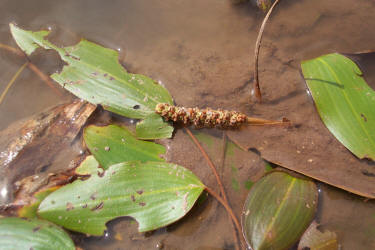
x: 154, y: 193
x: 88, y: 166
x: 345, y: 102
x: 153, y: 127
x: 29, y: 211
x: 19, y: 234
x: 114, y: 144
x: 94, y: 74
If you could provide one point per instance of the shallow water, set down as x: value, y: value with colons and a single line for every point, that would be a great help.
x: 202, y: 52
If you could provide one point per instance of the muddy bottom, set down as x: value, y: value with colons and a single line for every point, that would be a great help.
x: 202, y: 51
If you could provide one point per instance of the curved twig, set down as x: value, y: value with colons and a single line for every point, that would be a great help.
x: 223, y: 201
x: 229, y: 211
x: 258, y: 94
x: 32, y: 67
x: 19, y: 71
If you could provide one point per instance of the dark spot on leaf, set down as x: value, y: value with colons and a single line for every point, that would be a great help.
x: 101, y: 174
x: 111, y: 78
x: 75, y: 58
x: 93, y: 196
x: 140, y: 192
x: 79, y: 197
x: 53, y: 202
x: 136, y: 106
x: 364, y: 117
x: 35, y: 229
x: 31, y: 248
x: 107, y: 148
x: 98, y: 207
x: 105, y: 75
x: 94, y: 73
x: 142, y: 204
x: 133, y: 198
x: 69, y: 206
x: 84, y: 206
x: 114, y: 172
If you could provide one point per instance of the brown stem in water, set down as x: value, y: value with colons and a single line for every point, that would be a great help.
x: 230, y: 212
x: 258, y: 94
x: 221, y: 187
x: 19, y: 71
x: 32, y: 67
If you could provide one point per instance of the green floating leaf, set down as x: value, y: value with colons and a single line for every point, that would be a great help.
x: 154, y: 193
x: 345, y: 102
x: 94, y: 74
x: 152, y: 127
x: 114, y: 144
x: 16, y: 233
x: 278, y: 210
x: 314, y: 239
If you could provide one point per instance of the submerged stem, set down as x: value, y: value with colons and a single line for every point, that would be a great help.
x: 220, y: 184
x: 258, y: 94
x: 19, y: 71
x: 32, y: 67
x: 229, y: 211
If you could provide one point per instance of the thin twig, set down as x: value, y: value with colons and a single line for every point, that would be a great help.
x: 258, y: 94
x: 229, y: 210
x: 210, y: 164
x: 236, y: 226
x: 19, y: 71
x: 32, y: 67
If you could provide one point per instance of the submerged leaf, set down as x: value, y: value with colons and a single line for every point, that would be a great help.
x: 314, y: 239
x: 345, y: 102
x: 154, y: 193
x: 94, y: 74
x: 278, y: 210
x: 114, y: 144
x: 16, y: 233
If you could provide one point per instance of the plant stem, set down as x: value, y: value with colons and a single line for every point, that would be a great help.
x: 32, y: 67
x: 19, y: 71
x: 210, y: 164
x: 229, y: 211
x: 221, y: 187
x: 258, y: 94
x: 261, y: 122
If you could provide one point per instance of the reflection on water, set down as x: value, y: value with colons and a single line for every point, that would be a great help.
x: 202, y: 51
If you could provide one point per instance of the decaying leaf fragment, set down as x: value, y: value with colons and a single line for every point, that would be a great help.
x: 314, y: 239
x: 30, y: 145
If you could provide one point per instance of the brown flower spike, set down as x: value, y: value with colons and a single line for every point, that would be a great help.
x: 207, y: 117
